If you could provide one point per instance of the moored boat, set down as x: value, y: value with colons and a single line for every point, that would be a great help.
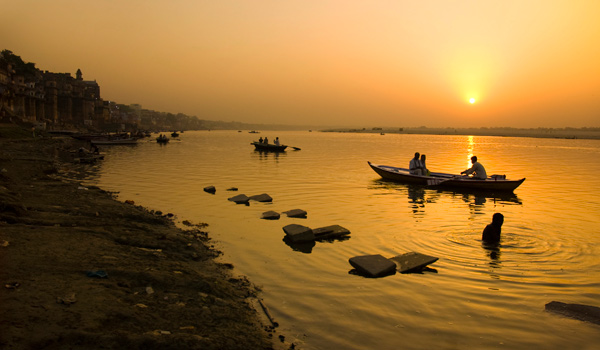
x: 492, y: 183
x: 260, y: 146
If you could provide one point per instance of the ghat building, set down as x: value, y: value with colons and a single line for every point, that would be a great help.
x: 53, y: 100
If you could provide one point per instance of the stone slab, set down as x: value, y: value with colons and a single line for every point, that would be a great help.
x: 330, y: 232
x: 270, y: 215
x: 239, y: 199
x: 210, y: 189
x: 261, y: 198
x: 412, y: 261
x: 298, y: 233
x: 373, y: 265
x: 296, y: 213
x: 581, y: 312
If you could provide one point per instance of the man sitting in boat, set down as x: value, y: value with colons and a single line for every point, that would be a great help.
x: 276, y: 142
x: 424, y: 170
x: 266, y: 141
x: 477, y: 170
x: 414, y: 166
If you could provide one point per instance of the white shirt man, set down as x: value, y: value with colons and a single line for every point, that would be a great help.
x: 414, y: 167
x: 477, y: 170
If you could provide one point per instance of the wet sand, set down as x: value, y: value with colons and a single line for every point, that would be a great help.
x: 81, y: 270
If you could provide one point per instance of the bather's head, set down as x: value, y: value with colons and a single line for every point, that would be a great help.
x: 498, y: 219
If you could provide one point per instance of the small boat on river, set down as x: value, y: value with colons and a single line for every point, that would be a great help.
x: 260, y: 146
x: 162, y: 139
x: 402, y: 175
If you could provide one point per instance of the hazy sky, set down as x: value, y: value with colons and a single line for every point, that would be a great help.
x: 353, y: 63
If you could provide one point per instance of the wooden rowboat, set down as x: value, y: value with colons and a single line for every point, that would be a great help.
x: 269, y: 147
x: 402, y: 175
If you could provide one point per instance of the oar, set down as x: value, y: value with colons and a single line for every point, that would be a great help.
x: 437, y: 182
x: 296, y: 148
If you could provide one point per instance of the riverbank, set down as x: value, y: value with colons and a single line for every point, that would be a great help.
x: 81, y: 270
x: 560, y: 133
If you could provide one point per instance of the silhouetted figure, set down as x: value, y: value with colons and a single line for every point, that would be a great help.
x: 276, y: 141
x: 424, y: 170
x: 477, y: 170
x: 260, y: 140
x: 414, y: 167
x: 492, y: 232
x: 266, y: 140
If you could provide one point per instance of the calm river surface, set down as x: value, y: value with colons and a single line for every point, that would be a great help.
x: 477, y: 298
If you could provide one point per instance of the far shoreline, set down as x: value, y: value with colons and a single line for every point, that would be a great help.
x: 564, y: 133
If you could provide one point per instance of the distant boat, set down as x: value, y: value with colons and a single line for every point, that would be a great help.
x: 253, y: 132
x: 402, y: 175
x: 174, y: 134
x: 162, y: 139
x: 269, y: 147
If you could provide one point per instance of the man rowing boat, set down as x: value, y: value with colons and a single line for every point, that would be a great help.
x: 477, y: 170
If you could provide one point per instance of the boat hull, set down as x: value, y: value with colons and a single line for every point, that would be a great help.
x: 269, y: 147
x: 445, y: 180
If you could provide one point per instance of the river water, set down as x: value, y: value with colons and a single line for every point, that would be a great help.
x: 476, y: 297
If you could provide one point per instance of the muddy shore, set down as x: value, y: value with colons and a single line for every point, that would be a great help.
x: 81, y: 270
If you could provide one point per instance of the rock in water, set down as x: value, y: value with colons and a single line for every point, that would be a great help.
x: 298, y: 233
x: 373, y: 265
x: 578, y: 311
x: 412, y: 261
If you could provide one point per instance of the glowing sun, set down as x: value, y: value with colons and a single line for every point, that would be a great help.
x: 472, y: 100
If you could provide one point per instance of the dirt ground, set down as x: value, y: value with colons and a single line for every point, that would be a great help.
x: 81, y: 270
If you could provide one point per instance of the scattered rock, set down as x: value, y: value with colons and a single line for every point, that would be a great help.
x: 239, y: 199
x: 262, y: 198
x: 270, y: 215
x: 330, y: 232
x: 298, y: 233
x: 210, y: 189
x: 296, y: 213
x: 97, y: 274
x: 581, y: 312
x: 413, y: 261
x: 373, y: 265
x: 67, y: 300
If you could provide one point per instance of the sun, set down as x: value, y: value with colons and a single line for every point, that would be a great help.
x: 472, y: 100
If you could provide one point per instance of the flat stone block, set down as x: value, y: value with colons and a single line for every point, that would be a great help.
x: 373, y: 265
x: 210, y: 189
x: 262, y: 198
x: 298, y: 233
x: 329, y: 232
x: 239, y: 199
x: 412, y: 261
x: 270, y: 215
x: 587, y: 313
x: 296, y: 213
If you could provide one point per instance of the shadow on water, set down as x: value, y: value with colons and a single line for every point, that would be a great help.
x: 492, y: 250
x: 307, y: 247
x: 420, y: 195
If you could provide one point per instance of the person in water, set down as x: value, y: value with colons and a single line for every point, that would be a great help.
x: 477, y: 170
x: 492, y: 232
x: 414, y: 167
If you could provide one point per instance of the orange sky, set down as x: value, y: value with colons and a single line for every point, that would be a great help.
x: 332, y: 63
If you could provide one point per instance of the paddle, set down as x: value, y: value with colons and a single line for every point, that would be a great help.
x: 438, y: 181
